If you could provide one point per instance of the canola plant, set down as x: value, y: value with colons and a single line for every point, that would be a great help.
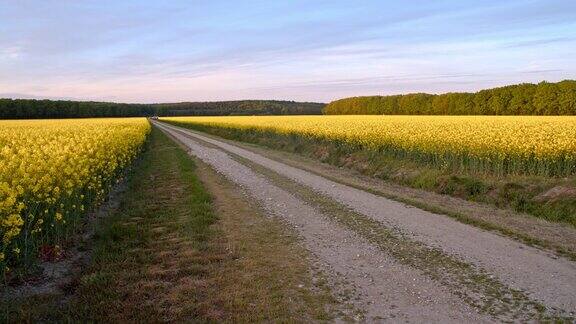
x: 544, y: 145
x: 53, y: 171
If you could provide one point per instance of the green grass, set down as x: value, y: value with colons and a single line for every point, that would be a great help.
x: 165, y: 212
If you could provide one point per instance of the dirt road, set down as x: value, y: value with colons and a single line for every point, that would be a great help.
x: 393, y: 260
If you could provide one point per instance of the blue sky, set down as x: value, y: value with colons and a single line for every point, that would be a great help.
x: 168, y: 51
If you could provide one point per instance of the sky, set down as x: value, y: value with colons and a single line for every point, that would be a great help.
x: 303, y: 50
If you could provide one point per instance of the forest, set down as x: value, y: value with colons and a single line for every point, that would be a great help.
x: 33, y: 109
x: 544, y: 98
x: 242, y: 107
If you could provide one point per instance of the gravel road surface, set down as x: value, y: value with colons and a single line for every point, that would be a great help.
x: 385, y: 288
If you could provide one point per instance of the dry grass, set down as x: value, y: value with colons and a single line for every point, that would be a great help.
x: 270, y: 279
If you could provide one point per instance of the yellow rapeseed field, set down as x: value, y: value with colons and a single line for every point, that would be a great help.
x: 52, y: 171
x: 503, y: 144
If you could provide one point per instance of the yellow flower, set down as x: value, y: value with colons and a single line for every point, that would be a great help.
x: 53, y: 164
x: 515, y: 144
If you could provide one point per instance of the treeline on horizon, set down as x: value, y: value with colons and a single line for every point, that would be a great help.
x: 241, y: 107
x: 544, y: 98
x: 34, y: 109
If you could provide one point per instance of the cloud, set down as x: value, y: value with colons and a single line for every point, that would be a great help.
x: 143, y: 50
x: 11, y: 52
x: 30, y: 96
x: 540, y: 42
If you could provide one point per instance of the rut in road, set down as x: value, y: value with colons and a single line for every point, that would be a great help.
x: 434, y: 245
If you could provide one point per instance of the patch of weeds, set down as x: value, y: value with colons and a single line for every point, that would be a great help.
x: 557, y: 211
x: 427, y: 180
x: 460, y: 186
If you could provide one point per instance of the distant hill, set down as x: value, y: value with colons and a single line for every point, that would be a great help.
x: 33, y: 108
x: 543, y: 98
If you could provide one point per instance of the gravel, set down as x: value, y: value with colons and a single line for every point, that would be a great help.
x: 372, y: 281
x: 539, y: 274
